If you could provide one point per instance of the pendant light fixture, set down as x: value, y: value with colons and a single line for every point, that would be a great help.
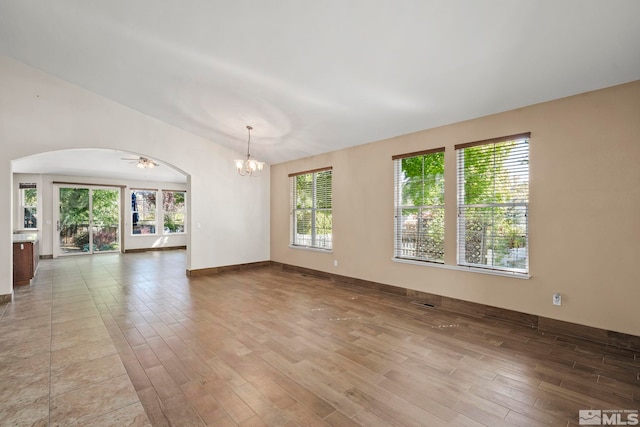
x: 250, y: 166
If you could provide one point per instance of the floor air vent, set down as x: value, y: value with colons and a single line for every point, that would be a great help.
x: 423, y: 304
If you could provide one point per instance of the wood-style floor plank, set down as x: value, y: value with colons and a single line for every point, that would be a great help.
x: 267, y: 347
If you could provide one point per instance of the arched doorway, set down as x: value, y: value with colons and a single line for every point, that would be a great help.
x: 81, y: 226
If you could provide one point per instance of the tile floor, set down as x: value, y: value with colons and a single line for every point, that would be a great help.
x: 58, y: 363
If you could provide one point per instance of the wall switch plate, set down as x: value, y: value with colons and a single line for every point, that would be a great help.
x: 557, y: 299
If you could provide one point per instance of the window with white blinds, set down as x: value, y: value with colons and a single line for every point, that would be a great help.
x: 493, y: 203
x: 311, y: 209
x: 419, y: 206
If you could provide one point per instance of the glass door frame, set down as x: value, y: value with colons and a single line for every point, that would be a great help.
x: 56, y: 217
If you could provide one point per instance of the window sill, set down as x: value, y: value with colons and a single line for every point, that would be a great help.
x: 312, y: 249
x: 514, y: 275
x: 158, y: 234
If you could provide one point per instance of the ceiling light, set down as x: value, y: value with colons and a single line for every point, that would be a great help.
x: 145, y: 163
x: 249, y: 167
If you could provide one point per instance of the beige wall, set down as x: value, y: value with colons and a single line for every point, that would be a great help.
x: 584, y: 211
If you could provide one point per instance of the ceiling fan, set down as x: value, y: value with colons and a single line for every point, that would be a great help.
x: 142, y: 162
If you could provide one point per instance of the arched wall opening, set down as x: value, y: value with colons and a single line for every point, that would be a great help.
x: 98, y: 168
x: 41, y: 113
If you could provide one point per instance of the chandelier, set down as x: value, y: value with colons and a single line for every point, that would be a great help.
x: 250, y: 166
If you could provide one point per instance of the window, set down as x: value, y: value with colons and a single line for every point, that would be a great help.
x: 29, y: 205
x: 173, y: 209
x: 311, y: 218
x: 419, y: 206
x: 143, y: 211
x: 493, y: 203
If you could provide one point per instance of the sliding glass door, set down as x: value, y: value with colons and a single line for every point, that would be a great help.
x: 105, y: 224
x: 87, y: 220
x: 73, y: 223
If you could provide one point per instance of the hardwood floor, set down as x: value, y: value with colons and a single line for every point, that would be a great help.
x: 130, y: 340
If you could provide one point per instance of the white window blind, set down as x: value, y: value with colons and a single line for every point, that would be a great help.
x: 493, y: 203
x: 311, y: 209
x: 419, y: 206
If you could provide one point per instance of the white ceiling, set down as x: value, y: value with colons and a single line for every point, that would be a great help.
x: 316, y: 76
x: 96, y: 163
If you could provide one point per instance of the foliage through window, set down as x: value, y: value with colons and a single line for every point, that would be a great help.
x: 493, y: 204
x: 173, y: 208
x: 419, y: 206
x: 311, y: 204
x: 143, y: 211
x: 89, y: 219
x: 29, y: 205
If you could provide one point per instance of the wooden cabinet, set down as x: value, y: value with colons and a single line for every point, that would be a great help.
x: 25, y: 261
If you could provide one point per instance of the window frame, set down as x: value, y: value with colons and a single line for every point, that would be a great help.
x: 463, y: 208
x: 314, y: 209
x: 24, y: 187
x: 133, y: 212
x: 422, y: 234
x: 165, y: 212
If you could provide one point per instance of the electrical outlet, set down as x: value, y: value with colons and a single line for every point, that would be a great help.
x: 557, y: 299
x: 335, y: 262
